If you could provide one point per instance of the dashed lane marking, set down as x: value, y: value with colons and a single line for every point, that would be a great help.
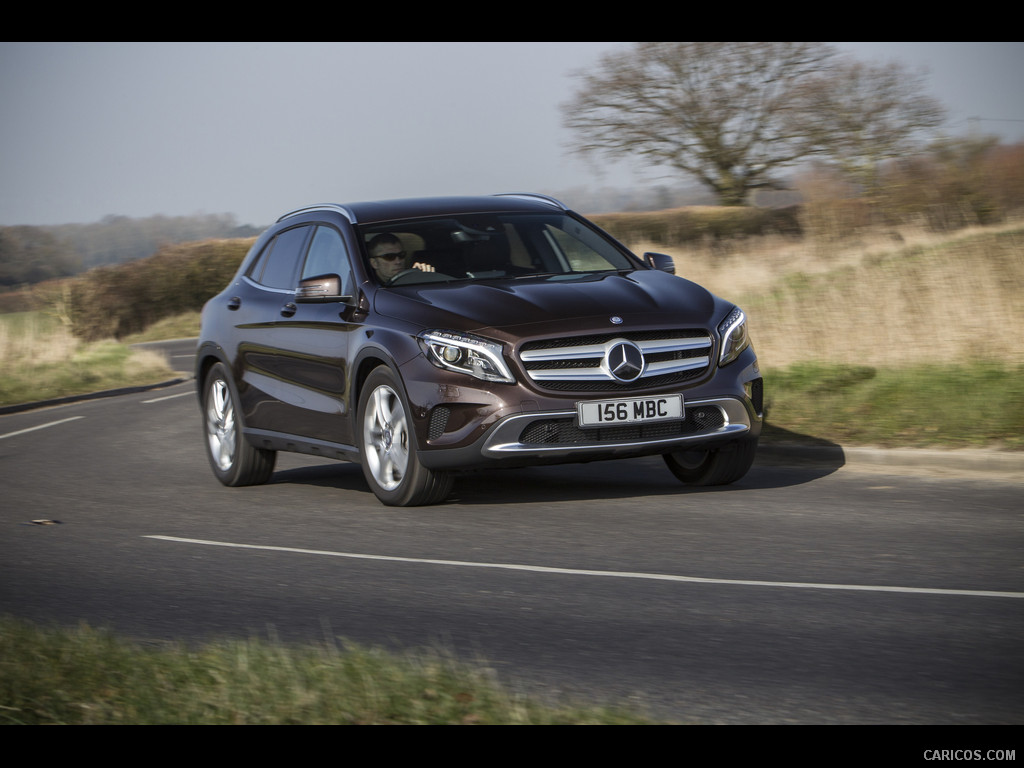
x: 41, y: 426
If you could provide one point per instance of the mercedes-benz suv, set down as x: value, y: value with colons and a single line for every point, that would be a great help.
x: 426, y: 336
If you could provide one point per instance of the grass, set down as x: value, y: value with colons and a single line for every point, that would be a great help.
x: 921, y: 406
x: 881, y: 300
x: 85, y: 676
x: 42, y: 360
x: 183, y: 326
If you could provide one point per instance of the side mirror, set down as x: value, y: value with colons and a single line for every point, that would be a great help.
x: 660, y: 261
x: 323, y: 288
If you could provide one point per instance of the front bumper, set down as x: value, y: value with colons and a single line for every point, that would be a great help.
x: 553, y: 437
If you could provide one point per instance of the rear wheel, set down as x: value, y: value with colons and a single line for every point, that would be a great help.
x: 388, y: 446
x: 713, y: 466
x: 233, y: 459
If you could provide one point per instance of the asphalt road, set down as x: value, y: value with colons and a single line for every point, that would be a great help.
x: 803, y: 594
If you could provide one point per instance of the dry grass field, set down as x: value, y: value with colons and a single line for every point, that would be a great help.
x: 41, y: 359
x: 887, y: 300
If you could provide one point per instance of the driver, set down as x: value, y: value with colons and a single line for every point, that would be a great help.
x: 388, y: 259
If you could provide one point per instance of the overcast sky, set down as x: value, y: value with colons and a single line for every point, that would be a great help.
x: 256, y: 129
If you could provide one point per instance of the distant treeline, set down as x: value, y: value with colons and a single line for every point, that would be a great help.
x: 680, y: 226
x: 31, y: 254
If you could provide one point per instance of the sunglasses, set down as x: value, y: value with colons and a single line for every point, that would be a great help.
x: 390, y: 256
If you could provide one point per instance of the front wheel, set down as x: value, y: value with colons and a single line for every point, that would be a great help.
x: 388, y: 447
x: 713, y: 466
x: 233, y: 459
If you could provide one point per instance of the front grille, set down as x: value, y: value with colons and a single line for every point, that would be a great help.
x: 566, y: 431
x: 579, y: 363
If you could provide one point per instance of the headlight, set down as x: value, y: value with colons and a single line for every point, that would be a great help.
x: 467, y: 354
x: 733, y: 331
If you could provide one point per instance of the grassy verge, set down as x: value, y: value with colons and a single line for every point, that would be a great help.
x: 40, y: 360
x: 89, y: 677
x: 923, y: 406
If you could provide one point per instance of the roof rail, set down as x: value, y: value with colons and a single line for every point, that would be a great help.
x: 343, y: 210
x: 533, y: 196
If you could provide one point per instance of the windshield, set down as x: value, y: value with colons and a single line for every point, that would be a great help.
x: 488, y: 246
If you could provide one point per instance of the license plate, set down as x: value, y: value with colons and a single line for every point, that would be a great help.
x: 634, y: 410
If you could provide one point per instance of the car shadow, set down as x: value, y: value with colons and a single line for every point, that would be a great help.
x: 341, y: 475
x: 784, y: 459
x: 784, y: 448
x: 624, y: 479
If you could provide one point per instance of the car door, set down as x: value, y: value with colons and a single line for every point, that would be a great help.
x: 260, y: 301
x: 293, y: 351
x: 317, y: 334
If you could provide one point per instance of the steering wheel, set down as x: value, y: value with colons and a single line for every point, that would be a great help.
x: 403, y: 273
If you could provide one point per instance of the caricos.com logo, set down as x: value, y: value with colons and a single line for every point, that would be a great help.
x: 970, y: 754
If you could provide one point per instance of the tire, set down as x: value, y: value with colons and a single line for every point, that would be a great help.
x: 713, y: 466
x: 234, y: 460
x: 388, y: 446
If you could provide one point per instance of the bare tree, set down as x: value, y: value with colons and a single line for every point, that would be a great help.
x: 729, y: 114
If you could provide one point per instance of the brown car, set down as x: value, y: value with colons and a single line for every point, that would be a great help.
x: 426, y: 336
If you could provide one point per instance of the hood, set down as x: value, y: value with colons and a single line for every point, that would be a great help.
x: 640, y: 297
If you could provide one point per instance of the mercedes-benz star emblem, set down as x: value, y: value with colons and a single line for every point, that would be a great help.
x: 615, y: 320
x: 625, y: 361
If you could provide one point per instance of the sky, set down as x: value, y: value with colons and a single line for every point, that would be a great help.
x: 258, y: 129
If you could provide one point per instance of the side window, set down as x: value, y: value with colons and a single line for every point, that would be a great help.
x: 328, y: 256
x: 276, y: 266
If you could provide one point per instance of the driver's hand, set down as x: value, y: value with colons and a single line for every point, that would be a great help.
x: 423, y: 267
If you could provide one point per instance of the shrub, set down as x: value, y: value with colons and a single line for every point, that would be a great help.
x: 679, y: 226
x: 957, y: 184
x: 113, y: 302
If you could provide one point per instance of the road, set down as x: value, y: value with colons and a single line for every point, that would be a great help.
x: 803, y: 594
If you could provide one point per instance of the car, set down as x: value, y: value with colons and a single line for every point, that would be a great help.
x: 426, y: 337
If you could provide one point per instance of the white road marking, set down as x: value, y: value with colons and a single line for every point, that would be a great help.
x: 169, y: 397
x: 612, y: 574
x: 41, y: 426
